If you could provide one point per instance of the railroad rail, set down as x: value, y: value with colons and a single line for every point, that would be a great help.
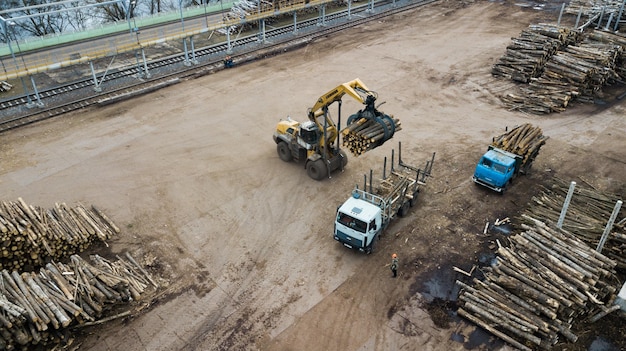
x: 283, y: 40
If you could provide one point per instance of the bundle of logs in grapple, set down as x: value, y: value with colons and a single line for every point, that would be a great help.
x: 35, y: 308
x: 524, y: 140
x: 32, y: 235
x: 367, y: 133
x: 538, y: 286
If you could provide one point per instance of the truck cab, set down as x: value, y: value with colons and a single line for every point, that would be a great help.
x: 496, y: 169
x: 358, y: 223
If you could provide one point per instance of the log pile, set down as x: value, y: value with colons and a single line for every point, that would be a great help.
x: 586, y: 218
x: 527, y: 54
x: 365, y: 134
x: 538, y: 287
x: 32, y: 235
x: 524, y: 140
x: 558, y: 65
x: 587, y: 69
x: 38, y: 307
x: 575, y: 72
x: 603, y: 39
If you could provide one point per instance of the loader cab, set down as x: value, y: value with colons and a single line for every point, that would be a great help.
x: 309, y: 135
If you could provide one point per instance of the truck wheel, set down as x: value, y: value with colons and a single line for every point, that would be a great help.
x: 283, y: 151
x: 404, y: 209
x: 413, y: 201
x: 316, y: 169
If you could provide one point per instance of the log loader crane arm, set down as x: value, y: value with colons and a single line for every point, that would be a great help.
x: 319, y: 114
x: 314, y: 140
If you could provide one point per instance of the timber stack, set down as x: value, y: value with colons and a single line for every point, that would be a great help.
x: 365, y: 134
x: 559, y: 65
x: 527, y: 54
x: 32, y: 235
x: 38, y: 308
x: 538, y: 286
x: 524, y: 140
x: 586, y: 218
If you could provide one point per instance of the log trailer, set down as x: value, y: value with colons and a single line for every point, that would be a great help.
x: 369, y: 211
x: 314, y: 140
x: 509, y: 155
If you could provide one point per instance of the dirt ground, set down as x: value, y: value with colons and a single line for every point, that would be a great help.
x: 241, y: 241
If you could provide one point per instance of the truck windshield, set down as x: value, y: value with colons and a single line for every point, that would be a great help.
x: 352, y: 222
x: 499, y: 168
x: 495, y: 166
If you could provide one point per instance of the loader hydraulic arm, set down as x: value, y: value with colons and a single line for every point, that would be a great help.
x: 354, y: 88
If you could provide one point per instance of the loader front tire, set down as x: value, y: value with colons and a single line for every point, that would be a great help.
x: 317, y: 169
x: 283, y: 151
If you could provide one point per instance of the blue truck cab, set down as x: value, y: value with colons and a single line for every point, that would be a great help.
x: 496, y: 169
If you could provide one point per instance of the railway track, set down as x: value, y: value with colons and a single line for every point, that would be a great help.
x: 276, y: 40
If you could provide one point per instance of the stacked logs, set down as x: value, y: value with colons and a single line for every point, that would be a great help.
x: 538, y: 286
x: 557, y: 69
x: 603, y: 39
x: 586, y: 69
x: 36, y: 308
x: 365, y: 134
x: 526, y: 55
x: 586, y: 218
x: 524, y: 140
x: 576, y: 72
x: 31, y: 235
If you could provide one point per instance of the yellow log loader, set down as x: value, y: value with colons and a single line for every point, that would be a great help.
x: 316, y: 141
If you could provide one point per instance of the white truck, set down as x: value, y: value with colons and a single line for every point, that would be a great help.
x: 368, y: 212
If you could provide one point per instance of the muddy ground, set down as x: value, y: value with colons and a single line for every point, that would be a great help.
x: 241, y: 241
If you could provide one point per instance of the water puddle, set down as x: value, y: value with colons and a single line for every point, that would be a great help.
x: 600, y: 344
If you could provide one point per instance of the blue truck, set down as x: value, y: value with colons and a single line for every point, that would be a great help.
x: 509, y: 155
x: 362, y: 218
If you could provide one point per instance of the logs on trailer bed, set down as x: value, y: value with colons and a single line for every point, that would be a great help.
x: 32, y: 236
x: 36, y: 307
x: 538, y: 286
x: 524, y: 140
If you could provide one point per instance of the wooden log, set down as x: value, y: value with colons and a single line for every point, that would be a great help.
x: 461, y: 312
x: 58, y: 313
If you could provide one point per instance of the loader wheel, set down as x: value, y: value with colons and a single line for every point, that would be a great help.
x: 344, y: 159
x: 283, y: 151
x: 316, y: 169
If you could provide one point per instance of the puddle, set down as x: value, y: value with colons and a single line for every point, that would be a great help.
x: 480, y: 337
x: 441, y: 285
x: 504, y: 229
x: 600, y: 344
x: 457, y: 337
x: 547, y: 5
x: 487, y: 258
